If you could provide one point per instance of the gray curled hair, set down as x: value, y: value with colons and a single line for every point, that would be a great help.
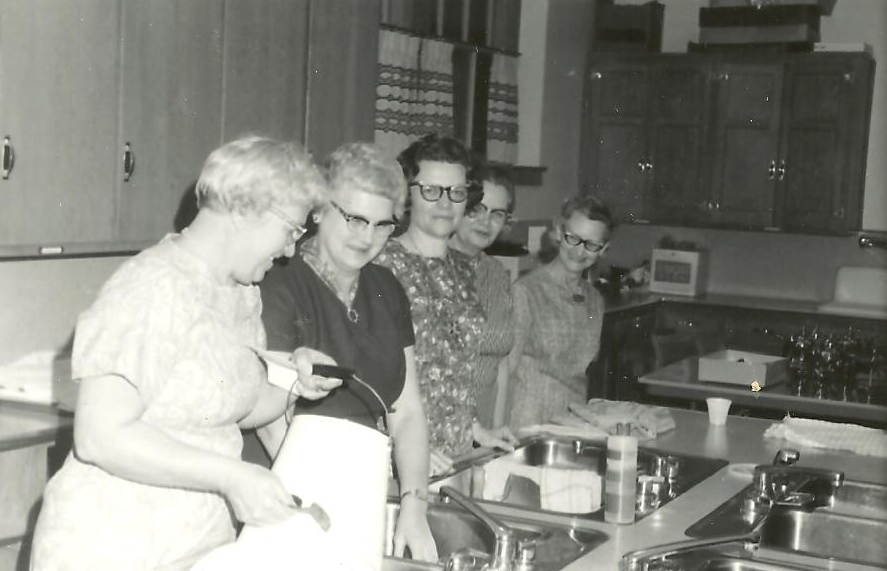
x: 252, y: 173
x: 365, y: 167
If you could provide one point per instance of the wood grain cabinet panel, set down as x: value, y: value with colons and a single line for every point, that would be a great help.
x: 58, y: 109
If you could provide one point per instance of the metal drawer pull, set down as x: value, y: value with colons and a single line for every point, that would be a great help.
x: 771, y: 170
x: 8, y: 157
x: 129, y: 162
x: 781, y: 170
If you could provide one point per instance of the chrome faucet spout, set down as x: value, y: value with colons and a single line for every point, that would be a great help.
x: 645, y: 559
x: 504, y: 556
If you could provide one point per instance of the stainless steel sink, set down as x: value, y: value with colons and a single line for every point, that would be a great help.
x: 674, y: 474
x: 851, y: 527
x: 721, y: 563
x: 456, y: 532
x: 826, y: 535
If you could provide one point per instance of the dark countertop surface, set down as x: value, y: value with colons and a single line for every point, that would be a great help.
x: 642, y: 297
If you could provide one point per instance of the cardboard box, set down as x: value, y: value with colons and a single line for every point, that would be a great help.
x: 736, y: 367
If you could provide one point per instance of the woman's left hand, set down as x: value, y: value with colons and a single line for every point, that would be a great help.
x: 501, y: 437
x: 412, y: 531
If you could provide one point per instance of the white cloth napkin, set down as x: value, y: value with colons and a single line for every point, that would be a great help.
x: 560, y: 489
x: 41, y: 377
x: 830, y: 435
x: 643, y: 421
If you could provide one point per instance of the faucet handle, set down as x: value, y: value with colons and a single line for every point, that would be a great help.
x: 786, y: 457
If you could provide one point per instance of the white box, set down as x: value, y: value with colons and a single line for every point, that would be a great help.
x: 742, y: 368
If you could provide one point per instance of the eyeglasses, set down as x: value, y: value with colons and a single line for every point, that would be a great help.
x: 357, y: 223
x: 433, y: 192
x: 497, y: 215
x: 591, y: 246
x: 296, y: 229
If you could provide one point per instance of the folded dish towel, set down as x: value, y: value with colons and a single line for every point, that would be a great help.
x: 568, y: 427
x: 569, y: 491
x: 643, y: 421
x: 830, y: 435
x: 559, y: 489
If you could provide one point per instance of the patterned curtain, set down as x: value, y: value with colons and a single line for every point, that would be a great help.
x: 396, y: 124
x: 436, y: 88
x: 502, y: 110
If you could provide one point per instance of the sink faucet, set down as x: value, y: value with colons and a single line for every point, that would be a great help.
x: 506, y: 545
x: 768, y: 488
x: 654, y: 557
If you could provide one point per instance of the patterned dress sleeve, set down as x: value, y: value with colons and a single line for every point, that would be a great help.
x: 523, y: 319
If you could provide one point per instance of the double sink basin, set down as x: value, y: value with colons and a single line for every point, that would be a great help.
x: 820, y: 526
x: 465, y: 542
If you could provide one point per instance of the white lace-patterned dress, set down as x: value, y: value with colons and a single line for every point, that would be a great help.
x: 166, y: 325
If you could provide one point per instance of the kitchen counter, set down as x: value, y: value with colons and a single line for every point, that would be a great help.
x: 739, y: 441
x: 642, y: 297
x: 23, y: 425
x: 681, y: 379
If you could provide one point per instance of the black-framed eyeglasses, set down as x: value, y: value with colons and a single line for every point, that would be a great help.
x: 356, y: 223
x: 590, y: 245
x: 497, y: 215
x: 296, y: 229
x: 433, y: 192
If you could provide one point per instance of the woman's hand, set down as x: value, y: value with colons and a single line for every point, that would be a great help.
x: 412, y: 531
x: 309, y: 386
x: 501, y: 437
x: 439, y: 463
x: 257, y: 495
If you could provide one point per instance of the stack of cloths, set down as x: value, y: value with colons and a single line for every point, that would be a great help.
x: 604, y: 417
x: 560, y: 489
x: 830, y: 435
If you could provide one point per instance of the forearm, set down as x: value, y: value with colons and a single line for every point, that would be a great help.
x: 142, y: 453
x: 410, y: 435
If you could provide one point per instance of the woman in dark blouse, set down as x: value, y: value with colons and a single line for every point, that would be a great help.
x: 330, y: 297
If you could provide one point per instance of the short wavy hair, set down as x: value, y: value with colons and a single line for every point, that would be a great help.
x: 252, y: 173
x: 367, y: 168
x: 589, y: 206
x: 496, y: 174
x: 434, y: 148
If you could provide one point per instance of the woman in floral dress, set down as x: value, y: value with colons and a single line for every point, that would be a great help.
x: 447, y: 316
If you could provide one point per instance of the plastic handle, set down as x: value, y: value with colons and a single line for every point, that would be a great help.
x: 8, y: 157
x: 333, y: 371
x: 129, y: 162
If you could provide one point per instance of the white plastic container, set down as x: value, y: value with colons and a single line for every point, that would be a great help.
x: 620, y: 486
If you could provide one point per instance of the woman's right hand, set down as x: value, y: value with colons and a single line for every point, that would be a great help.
x: 257, y: 495
x: 308, y: 385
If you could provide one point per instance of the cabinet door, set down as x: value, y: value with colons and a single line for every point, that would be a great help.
x: 266, y: 51
x: 58, y: 82
x: 745, y: 143
x: 678, y: 108
x: 171, y: 107
x: 824, y: 134
x: 613, y: 161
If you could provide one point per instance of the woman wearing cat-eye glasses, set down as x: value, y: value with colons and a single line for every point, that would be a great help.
x: 447, y: 316
x: 558, y: 316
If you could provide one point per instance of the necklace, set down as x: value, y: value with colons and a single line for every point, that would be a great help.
x: 327, y: 276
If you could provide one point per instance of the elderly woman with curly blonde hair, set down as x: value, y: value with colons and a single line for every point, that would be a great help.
x: 168, y: 378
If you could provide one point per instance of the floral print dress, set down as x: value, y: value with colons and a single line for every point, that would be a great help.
x: 447, y: 319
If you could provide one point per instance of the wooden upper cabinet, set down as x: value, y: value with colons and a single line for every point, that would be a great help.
x: 824, y: 142
x: 676, y: 147
x: 614, y: 141
x: 266, y: 51
x: 58, y: 86
x: 745, y: 162
x: 171, y: 103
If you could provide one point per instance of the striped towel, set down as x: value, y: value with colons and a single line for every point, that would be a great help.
x: 830, y: 435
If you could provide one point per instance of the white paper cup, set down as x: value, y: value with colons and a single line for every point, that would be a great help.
x: 717, y: 410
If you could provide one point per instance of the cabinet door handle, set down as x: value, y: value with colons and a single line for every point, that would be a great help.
x: 129, y: 162
x: 595, y: 75
x: 780, y: 170
x: 642, y: 165
x: 8, y: 157
x: 649, y: 165
x: 839, y: 213
x: 771, y: 170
